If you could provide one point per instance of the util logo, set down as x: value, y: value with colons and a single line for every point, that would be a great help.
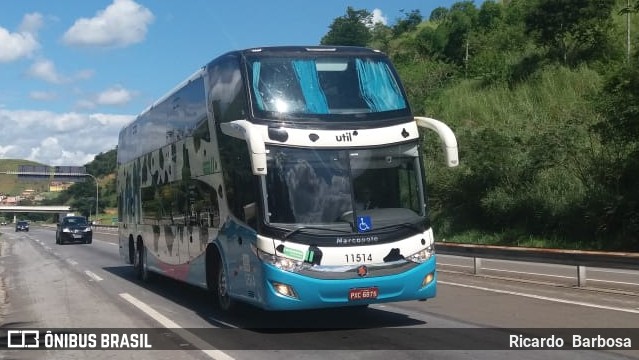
x: 347, y: 136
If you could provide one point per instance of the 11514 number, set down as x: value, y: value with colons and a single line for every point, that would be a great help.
x: 358, y: 258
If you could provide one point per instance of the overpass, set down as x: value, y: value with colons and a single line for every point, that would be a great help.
x: 33, y: 209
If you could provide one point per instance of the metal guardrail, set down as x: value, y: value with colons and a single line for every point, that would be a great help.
x: 580, y: 258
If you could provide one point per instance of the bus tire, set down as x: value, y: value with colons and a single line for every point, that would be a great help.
x: 224, y: 300
x: 217, y: 282
x: 140, y: 265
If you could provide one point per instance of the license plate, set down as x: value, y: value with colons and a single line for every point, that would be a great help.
x: 363, y: 294
x: 77, y: 236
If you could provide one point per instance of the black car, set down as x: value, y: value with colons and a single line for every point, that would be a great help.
x: 22, y: 226
x: 73, y: 229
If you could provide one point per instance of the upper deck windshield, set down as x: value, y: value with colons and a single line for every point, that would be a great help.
x: 325, y: 87
x: 335, y: 187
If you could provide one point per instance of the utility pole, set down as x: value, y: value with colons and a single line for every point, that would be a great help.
x: 97, y: 194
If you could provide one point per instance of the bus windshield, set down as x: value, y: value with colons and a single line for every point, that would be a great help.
x: 334, y: 186
x: 324, y: 85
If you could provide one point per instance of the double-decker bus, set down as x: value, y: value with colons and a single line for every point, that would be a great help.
x: 283, y: 177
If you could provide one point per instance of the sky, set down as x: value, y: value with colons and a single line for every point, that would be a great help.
x: 74, y: 72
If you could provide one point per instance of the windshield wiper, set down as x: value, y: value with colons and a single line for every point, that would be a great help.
x: 417, y: 227
x: 314, y: 228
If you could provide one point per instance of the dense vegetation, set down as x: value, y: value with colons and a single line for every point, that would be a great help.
x: 543, y: 96
x: 81, y: 195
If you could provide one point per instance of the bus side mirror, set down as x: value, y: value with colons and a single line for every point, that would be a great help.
x: 449, y: 141
x: 250, y: 214
x: 249, y: 211
x: 242, y: 129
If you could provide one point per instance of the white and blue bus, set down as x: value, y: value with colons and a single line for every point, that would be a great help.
x: 283, y: 177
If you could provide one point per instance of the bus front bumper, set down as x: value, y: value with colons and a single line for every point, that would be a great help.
x: 286, y: 290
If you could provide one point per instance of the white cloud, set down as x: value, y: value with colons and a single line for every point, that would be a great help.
x: 31, y: 23
x: 83, y: 74
x: 58, y: 138
x: 17, y: 45
x: 4, y: 150
x: 114, y: 96
x: 43, y: 95
x: 85, y: 104
x: 45, y: 70
x: 122, y: 23
x: 378, y: 17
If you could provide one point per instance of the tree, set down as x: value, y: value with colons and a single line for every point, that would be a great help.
x: 352, y: 29
x: 408, y: 23
x: 615, y: 170
x: 458, y: 25
x: 381, y: 36
x: 438, y: 14
x: 571, y: 30
x: 103, y: 164
x: 490, y: 15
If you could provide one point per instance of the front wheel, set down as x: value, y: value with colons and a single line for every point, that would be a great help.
x: 224, y: 300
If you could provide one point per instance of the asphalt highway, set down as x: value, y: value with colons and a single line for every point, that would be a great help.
x: 44, y: 285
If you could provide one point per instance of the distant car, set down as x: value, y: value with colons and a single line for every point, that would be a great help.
x: 22, y: 226
x: 4, y: 223
x: 73, y: 229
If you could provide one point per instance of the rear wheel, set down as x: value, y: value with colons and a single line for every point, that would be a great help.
x: 140, y: 264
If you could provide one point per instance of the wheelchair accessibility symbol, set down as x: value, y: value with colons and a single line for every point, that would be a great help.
x: 364, y: 223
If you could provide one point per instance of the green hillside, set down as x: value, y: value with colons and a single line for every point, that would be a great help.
x: 10, y: 184
x: 542, y: 96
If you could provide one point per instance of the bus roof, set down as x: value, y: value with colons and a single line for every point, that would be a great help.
x: 267, y: 50
x: 310, y: 49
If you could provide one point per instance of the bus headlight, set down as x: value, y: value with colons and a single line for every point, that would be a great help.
x: 281, y: 262
x: 284, y: 289
x: 422, y: 255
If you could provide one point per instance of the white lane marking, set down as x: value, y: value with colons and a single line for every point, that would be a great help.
x: 614, y: 271
x: 72, y: 262
x: 93, y: 275
x: 170, y: 324
x: 614, y: 282
x: 539, y: 297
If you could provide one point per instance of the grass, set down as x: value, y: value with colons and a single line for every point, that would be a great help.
x: 524, y: 161
x: 513, y: 238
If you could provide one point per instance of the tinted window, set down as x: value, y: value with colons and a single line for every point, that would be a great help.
x: 325, y: 88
